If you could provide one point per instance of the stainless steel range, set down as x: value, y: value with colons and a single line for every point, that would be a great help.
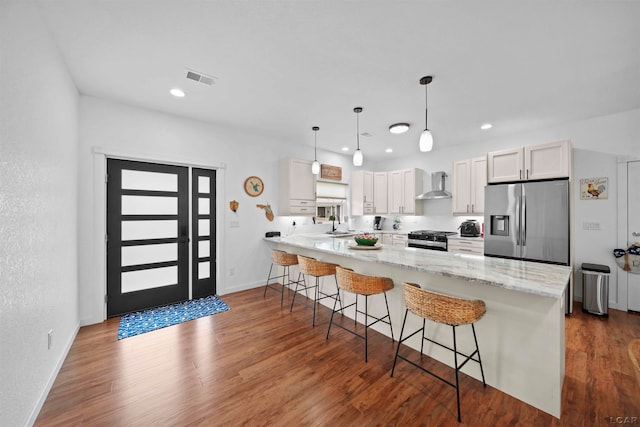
x: 429, y: 239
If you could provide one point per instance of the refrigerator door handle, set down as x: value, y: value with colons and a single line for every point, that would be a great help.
x: 518, y: 213
x: 524, y: 220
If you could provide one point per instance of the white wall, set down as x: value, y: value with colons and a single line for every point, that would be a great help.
x: 116, y: 128
x: 38, y: 201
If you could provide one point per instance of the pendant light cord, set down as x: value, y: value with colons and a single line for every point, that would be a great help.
x: 315, y: 145
x: 358, y: 129
x: 426, y: 108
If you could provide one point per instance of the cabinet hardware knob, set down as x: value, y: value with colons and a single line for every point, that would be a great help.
x: 635, y: 233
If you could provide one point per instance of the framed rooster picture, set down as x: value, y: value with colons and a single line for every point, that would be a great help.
x: 594, y: 188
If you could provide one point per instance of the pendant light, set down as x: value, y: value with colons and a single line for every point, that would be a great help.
x: 315, y: 166
x: 357, y: 156
x: 426, y: 139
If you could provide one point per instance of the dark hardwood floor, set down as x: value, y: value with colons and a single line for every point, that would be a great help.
x: 260, y: 365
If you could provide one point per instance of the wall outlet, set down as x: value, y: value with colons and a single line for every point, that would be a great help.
x: 592, y: 226
x: 232, y: 272
x: 234, y: 224
x: 49, y: 339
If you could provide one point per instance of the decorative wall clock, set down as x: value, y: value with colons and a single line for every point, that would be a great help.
x: 253, y: 186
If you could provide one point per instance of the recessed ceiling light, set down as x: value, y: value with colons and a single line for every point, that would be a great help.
x: 178, y: 93
x: 486, y: 126
x: 399, y: 128
x: 389, y: 150
x: 345, y: 148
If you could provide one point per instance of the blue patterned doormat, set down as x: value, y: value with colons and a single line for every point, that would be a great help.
x: 139, y: 322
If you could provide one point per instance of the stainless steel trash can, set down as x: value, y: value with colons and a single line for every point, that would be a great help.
x: 595, y: 289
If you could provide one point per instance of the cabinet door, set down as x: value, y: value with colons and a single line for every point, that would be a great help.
x: 547, y: 160
x: 478, y: 182
x: 409, y: 191
x: 301, y: 181
x: 380, y: 189
x: 395, y: 191
x: 368, y: 186
x: 400, y: 240
x: 462, y: 176
x: 357, y: 193
x: 387, y: 239
x: 505, y: 165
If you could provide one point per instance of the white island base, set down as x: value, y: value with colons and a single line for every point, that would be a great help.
x: 521, y: 336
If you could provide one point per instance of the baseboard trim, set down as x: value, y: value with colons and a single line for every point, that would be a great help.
x: 52, y: 378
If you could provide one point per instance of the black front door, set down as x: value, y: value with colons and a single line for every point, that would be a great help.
x: 203, y: 224
x: 147, y: 235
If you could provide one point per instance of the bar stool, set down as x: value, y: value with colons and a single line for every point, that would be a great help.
x: 317, y: 269
x: 447, y: 310
x: 360, y: 284
x: 284, y: 260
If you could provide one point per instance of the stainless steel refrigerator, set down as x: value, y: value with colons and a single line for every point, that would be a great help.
x: 528, y: 221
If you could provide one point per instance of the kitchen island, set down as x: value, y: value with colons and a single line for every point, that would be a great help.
x: 521, y: 337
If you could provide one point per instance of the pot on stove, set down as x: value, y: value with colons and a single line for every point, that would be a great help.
x: 470, y: 228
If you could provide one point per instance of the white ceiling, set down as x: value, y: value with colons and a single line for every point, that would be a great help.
x: 282, y: 67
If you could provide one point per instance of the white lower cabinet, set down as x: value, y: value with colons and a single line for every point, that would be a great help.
x: 400, y: 240
x: 474, y: 246
x: 387, y: 239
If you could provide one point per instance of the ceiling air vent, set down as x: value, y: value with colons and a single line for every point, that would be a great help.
x: 200, y: 77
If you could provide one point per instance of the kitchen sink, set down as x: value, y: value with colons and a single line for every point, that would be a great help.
x: 339, y: 233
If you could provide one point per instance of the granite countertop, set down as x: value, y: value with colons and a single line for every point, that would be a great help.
x: 530, y: 277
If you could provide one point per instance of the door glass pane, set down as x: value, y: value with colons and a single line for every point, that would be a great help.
x: 203, y: 206
x: 146, y: 279
x: 138, y: 230
x: 203, y: 248
x: 149, y: 205
x: 203, y: 270
x: 203, y: 184
x: 203, y: 227
x: 142, y: 180
x: 147, y: 254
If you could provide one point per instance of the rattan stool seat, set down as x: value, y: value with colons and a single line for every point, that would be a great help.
x: 362, y: 284
x: 284, y: 260
x: 447, y: 310
x: 442, y: 308
x: 312, y: 267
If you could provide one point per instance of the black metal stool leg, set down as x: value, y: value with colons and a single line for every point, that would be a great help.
x: 285, y: 279
x: 366, y: 321
x: 268, y: 278
x: 455, y: 361
x: 315, y: 301
x: 331, y: 320
x: 395, y: 359
x: 295, y: 292
x: 478, y: 350
x: 424, y: 322
x: 388, y: 314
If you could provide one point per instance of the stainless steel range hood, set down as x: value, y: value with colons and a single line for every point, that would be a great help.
x: 437, y: 188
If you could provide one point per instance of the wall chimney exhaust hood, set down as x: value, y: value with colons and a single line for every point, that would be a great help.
x: 437, y: 188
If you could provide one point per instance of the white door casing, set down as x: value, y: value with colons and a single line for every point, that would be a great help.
x: 633, y: 229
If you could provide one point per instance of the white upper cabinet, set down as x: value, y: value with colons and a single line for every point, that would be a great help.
x: 544, y: 161
x: 469, y: 180
x: 297, y: 188
x: 361, y: 192
x: 380, y: 192
x: 404, y: 185
x: 368, y: 192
